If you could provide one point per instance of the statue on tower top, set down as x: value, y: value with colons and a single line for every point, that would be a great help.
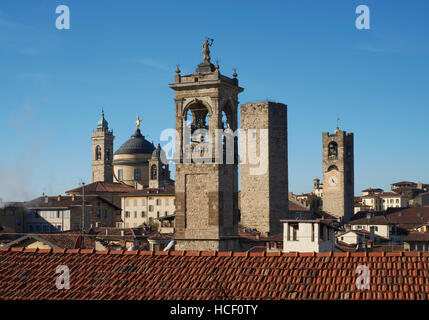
x: 206, y: 51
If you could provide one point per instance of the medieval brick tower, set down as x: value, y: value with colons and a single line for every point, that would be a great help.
x: 206, y: 176
x: 102, y: 149
x: 264, y: 166
x: 338, y: 174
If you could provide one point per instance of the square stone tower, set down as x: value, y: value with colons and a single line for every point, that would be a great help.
x: 264, y: 166
x: 338, y: 174
x: 102, y: 149
x: 206, y: 178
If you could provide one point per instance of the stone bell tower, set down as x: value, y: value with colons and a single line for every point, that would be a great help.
x: 338, y: 174
x: 206, y: 104
x: 159, y: 174
x: 102, y: 149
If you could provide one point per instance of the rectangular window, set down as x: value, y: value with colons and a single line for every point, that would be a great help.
x: 52, y: 214
x: 127, y: 214
x: 157, y: 214
x: 120, y: 174
x: 135, y: 202
x: 166, y: 213
x: 150, y: 208
x: 127, y: 203
x: 58, y: 214
x: 166, y: 202
x: 158, y: 202
x: 143, y: 202
x: 135, y: 214
x: 312, y: 232
x: 143, y: 214
x: 295, y: 228
x: 137, y: 174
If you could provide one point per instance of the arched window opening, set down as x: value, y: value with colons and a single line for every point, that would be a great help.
x: 197, y: 135
x: 98, y: 153
x: 153, y: 172
x: 333, y: 167
x: 228, y: 138
x: 332, y: 150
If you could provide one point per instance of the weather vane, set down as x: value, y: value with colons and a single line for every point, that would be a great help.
x: 338, y: 120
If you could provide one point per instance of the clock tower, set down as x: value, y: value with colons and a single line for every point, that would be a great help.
x: 338, y: 174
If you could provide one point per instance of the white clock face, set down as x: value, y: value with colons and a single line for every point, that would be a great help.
x: 333, y: 181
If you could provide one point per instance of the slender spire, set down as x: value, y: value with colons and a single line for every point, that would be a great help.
x: 102, y: 123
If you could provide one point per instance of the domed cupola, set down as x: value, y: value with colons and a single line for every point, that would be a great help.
x: 137, y: 144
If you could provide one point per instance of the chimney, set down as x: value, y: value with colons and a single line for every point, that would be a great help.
x: 371, y: 234
x: 59, y: 198
x: 73, y: 197
x: 46, y: 199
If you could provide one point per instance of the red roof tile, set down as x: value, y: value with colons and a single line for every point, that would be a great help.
x: 30, y: 274
x: 102, y: 186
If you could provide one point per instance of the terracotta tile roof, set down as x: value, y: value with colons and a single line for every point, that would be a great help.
x: 373, y: 190
x: 30, y: 274
x: 103, y: 187
x: 389, y: 194
x: 296, y: 207
x: 60, y: 240
x: 417, y: 236
x: 65, y: 202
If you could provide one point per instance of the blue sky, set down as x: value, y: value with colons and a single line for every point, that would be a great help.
x: 121, y: 55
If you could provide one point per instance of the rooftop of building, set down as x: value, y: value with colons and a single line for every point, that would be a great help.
x: 405, y: 218
x: 65, y: 202
x: 168, y: 190
x: 184, y: 275
x: 383, y: 195
x: 101, y: 186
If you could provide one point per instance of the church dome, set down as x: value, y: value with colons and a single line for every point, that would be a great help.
x: 137, y: 144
